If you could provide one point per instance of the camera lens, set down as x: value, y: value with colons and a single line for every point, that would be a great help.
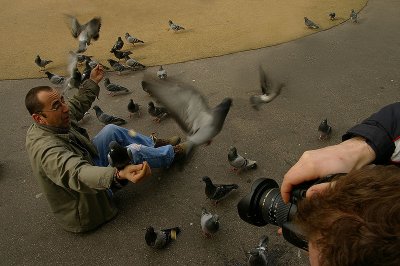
x: 273, y: 209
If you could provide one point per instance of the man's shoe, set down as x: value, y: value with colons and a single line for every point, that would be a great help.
x: 175, y: 140
x: 182, y: 151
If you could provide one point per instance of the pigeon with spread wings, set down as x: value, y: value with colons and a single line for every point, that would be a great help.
x: 190, y: 110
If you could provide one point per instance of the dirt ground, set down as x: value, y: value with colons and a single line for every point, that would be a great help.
x: 213, y: 28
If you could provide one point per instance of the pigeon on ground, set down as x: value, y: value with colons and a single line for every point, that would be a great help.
x: 131, y: 39
x: 353, y: 16
x: 160, y: 239
x: 133, y: 108
x: 269, y: 91
x: 84, y: 33
x: 120, y: 54
x: 119, y: 156
x: 209, y: 222
x: 332, y: 16
x: 113, y: 88
x: 117, y: 66
x: 174, y: 27
x: 93, y: 63
x: 133, y: 63
x: 259, y: 255
x: 158, y: 112
x: 55, y: 79
x: 190, y: 109
x: 217, y: 192
x: 42, y: 63
x: 239, y: 162
x: 324, y: 130
x: 162, y: 73
x: 310, y: 24
x: 108, y: 119
x: 118, y: 44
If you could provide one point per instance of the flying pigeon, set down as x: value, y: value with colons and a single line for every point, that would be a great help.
x: 269, y: 91
x: 324, y: 130
x: 133, y: 108
x: 118, y: 44
x: 42, y: 63
x: 120, y: 54
x: 119, y: 156
x: 55, y: 79
x: 158, y: 112
x: 332, y: 16
x: 160, y: 239
x: 239, y: 162
x: 86, y: 72
x: 133, y: 63
x: 259, y: 255
x: 129, y: 38
x: 75, y: 77
x: 190, y: 109
x: 108, y: 119
x: 113, y: 88
x: 174, y: 27
x: 117, y: 66
x: 80, y: 57
x: 310, y: 24
x: 209, y: 222
x: 353, y: 16
x: 84, y: 33
x: 162, y: 73
x: 217, y: 192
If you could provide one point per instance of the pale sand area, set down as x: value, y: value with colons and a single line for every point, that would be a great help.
x: 213, y: 28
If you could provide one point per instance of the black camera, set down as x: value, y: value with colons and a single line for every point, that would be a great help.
x: 264, y: 205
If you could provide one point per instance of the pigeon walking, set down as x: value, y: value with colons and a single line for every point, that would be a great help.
x: 259, y: 255
x: 117, y: 66
x: 42, y: 63
x: 55, y: 79
x: 217, y: 192
x: 158, y: 112
x: 162, y: 73
x: 120, y: 54
x: 174, y: 27
x: 133, y: 108
x: 332, y: 16
x: 353, y: 16
x: 86, y: 32
x: 129, y: 38
x: 324, y: 130
x: 160, y: 239
x: 209, y: 222
x: 269, y: 91
x: 108, y: 119
x: 119, y: 156
x: 133, y: 63
x: 239, y: 162
x: 310, y: 24
x: 190, y: 109
x: 113, y: 88
x: 118, y: 44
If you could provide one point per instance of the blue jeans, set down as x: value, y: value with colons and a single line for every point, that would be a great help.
x: 142, y: 147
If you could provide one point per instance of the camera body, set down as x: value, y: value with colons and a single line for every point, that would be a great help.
x: 264, y: 205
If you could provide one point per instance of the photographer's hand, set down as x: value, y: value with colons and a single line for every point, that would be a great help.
x: 342, y: 158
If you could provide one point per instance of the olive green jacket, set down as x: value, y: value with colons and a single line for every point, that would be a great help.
x: 62, y: 162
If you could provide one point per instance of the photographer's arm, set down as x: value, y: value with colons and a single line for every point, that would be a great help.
x: 341, y: 158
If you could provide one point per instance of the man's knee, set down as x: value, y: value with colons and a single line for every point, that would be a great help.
x: 110, y: 129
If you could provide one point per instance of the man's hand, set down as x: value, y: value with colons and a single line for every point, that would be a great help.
x: 342, y: 158
x: 135, y: 172
x: 97, y: 73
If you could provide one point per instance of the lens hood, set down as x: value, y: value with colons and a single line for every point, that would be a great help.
x: 248, y: 207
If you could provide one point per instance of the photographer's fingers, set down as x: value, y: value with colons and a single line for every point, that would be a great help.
x: 317, y: 189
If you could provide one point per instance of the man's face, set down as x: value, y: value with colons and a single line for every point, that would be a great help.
x: 55, y: 111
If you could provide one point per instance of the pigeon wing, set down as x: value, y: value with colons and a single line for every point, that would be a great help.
x: 185, y: 104
x: 264, y: 81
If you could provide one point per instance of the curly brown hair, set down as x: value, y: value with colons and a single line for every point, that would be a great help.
x: 357, y: 220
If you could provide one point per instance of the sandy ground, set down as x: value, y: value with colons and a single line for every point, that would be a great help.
x: 343, y: 74
x: 213, y: 28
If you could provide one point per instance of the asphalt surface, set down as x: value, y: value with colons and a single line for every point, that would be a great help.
x: 343, y: 74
